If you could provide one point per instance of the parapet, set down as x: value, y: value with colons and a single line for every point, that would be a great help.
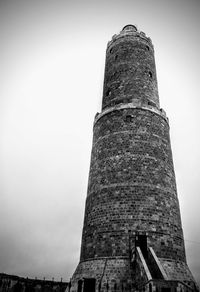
x: 131, y: 31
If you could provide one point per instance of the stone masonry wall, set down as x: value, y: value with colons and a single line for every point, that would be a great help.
x: 111, y: 274
x: 130, y: 72
x: 131, y: 187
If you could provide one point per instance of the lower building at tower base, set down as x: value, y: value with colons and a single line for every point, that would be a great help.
x: 143, y: 271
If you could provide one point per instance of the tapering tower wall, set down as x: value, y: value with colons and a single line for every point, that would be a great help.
x: 130, y: 71
x: 132, y: 187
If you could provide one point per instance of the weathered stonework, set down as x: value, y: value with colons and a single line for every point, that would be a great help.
x: 132, y: 235
x: 131, y: 176
x: 130, y: 72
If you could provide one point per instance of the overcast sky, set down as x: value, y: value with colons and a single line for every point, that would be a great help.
x: 52, y: 59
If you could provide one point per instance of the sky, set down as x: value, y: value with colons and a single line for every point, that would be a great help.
x: 52, y: 59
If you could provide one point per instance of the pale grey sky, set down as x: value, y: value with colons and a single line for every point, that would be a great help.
x: 52, y: 65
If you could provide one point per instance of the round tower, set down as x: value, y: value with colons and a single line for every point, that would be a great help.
x: 132, y: 231
x: 130, y: 72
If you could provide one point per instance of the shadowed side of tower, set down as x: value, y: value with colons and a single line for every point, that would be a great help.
x: 132, y: 235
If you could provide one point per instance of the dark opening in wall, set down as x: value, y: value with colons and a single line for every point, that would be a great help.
x: 151, y: 103
x: 80, y: 283
x: 128, y: 118
x: 89, y: 285
x: 150, y: 287
x: 115, y: 287
x: 116, y: 57
x: 150, y: 74
x: 147, y: 48
x: 111, y: 50
x: 108, y: 92
x: 118, y: 101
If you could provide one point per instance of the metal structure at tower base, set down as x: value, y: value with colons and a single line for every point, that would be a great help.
x: 132, y: 236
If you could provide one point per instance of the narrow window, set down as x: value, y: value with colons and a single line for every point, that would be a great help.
x: 151, y: 103
x: 115, y: 287
x: 108, y: 92
x: 129, y: 118
x: 80, y: 282
x: 150, y: 74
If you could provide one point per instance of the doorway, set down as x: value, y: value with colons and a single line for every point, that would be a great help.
x: 80, y: 283
x: 141, y: 241
x: 89, y: 285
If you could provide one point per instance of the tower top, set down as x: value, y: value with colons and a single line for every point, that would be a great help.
x: 130, y: 31
x: 129, y: 27
x: 130, y: 73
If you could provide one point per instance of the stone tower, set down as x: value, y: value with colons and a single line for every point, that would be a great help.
x: 132, y: 236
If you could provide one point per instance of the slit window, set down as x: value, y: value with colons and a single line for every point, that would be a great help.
x: 150, y: 74
x: 150, y: 287
x: 151, y: 103
x: 108, y: 92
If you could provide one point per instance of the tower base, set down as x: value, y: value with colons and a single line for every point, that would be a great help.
x: 143, y: 272
x: 105, y: 274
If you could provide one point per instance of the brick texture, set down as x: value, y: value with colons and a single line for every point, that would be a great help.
x: 130, y: 72
x: 132, y: 187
